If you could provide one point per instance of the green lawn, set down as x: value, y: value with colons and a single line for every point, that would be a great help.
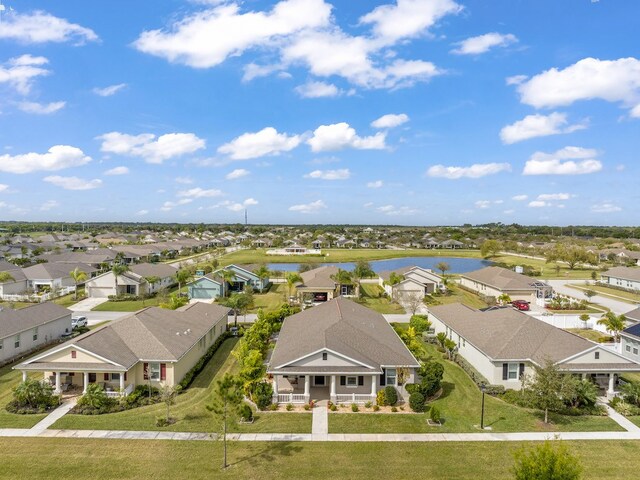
x: 460, y: 407
x: 69, y: 459
x: 68, y: 300
x: 593, y: 335
x: 134, y: 305
x: 8, y: 379
x: 371, y: 297
x: 190, y: 408
x: 620, y: 295
x: 270, y: 300
x: 548, y: 270
x: 455, y: 295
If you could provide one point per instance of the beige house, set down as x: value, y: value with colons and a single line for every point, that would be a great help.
x: 338, y: 351
x: 134, y: 281
x: 503, y: 344
x: 495, y: 281
x: 414, y: 280
x: 152, y: 346
x: 318, y: 285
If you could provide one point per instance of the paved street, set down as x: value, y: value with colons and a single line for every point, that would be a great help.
x: 615, y: 306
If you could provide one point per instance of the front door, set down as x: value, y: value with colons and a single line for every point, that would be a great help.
x: 318, y: 381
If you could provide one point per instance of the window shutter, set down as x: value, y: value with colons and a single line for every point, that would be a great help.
x: 125, y: 376
x: 106, y: 377
x: 145, y: 368
x: 383, y: 377
x: 505, y: 371
x: 163, y: 371
x: 343, y: 380
x: 521, y: 370
x: 360, y: 380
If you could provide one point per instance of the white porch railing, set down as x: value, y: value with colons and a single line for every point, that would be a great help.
x: 116, y: 393
x: 353, y: 398
x: 291, y: 398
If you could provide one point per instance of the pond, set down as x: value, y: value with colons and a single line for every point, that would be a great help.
x: 458, y: 265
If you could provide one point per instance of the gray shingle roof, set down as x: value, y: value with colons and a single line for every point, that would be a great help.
x: 13, y: 322
x: 501, y: 278
x: 161, y: 270
x: 44, y: 271
x: 344, y: 327
x: 627, y: 273
x: 319, y: 277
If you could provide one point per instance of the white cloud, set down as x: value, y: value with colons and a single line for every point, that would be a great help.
x: 390, y: 120
x: 394, y: 211
x: 254, y: 145
x: 519, y: 198
x: 142, y: 213
x: 57, y: 158
x: 340, y: 135
x: 250, y: 201
x: 167, y: 206
x: 207, y: 38
x: 407, y: 18
x: 477, y: 170
x: 253, y: 70
x: 41, y: 108
x: 605, y: 207
x: 635, y: 111
x: 340, y: 174
x: 483, y: 204
x: 237, y: 173
x: 515, y: 79
x: 566, y: 161
x: 312, y: 207
x: 49, y: 204
x: 237, y: 207
x: 73, y: 183
x: 375, y: 184
x: 200, y: 193
x: 317, y: 89
x: 20, y: 72
x: 509, y: 211
x: 3, y: 187
x: 554, y: 196
x: 42, y: 27
x: 587, y: 79
x: 483, y: 43
x: 147, y: 146
x: 110, y: 90
x: 538, y: 125
x: 117, y: 171
x: 184, y: 180
x: 538, y: 204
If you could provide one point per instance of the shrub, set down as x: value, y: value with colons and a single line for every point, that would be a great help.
x: 390, y: 395
x: 333, y: 408
x: 164, y: 421
x: 420, y: 323
x: 381, y: 399
x: 354, y: 408
x: 272, y: 407
x: 434, y: 414
x: 412, y: 388
x: 367, y: 405
x: 263, y: 395
x: 95, y: 397
x: 431, y: 373
x: 197, y: 368
x: 416, y: 402
x: 245, y: 412
x: 307, y: 407
x: 376, y: 408
x: 394, y: 409
x: 289, y: 407
x: 34, y: 395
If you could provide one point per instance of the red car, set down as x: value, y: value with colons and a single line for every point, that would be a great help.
x: 521, y: 305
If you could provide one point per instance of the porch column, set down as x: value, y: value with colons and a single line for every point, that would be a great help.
x: 307, y: 387
x: 275, y: 389
x: 332, y: 396
x: 584, y: 376
x: 121, y: 383
x: 24, y: 376
x: 58, y: 389
x: 85, y: 382
x: 374, y: 381
x: 612, y: 381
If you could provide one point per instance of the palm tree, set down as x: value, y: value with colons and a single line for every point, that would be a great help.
x: 227, y: 277
x: 6, y: 277
x: 181, y: 277
x: 263, y: 274
x: 613, y: 323
x: 292, y: 278
x: 343, y: 277
x: 78, y: 276
x: 118, y: 269
x: 443, y: 267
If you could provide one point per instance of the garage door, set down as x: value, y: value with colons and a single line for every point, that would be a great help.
x: 203, y: 293
x: 100, y: 292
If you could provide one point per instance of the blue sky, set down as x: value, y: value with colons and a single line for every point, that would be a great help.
x: 417, y: 112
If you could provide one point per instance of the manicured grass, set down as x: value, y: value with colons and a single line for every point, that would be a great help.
x: 135, y: 305
x: 8, y: 379
x: 548, y: 270
x: 270, y: 300
x: 455, y: 295
x: 340, y: 255
x: 190, y: 408
x: 371, y: 297
x: 459, y: 405
x: 70, y: 299
x: 593, y: 335
x: 620, y: 295
x: 69, y: 459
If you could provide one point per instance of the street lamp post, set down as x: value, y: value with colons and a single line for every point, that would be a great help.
x: 482, y: 387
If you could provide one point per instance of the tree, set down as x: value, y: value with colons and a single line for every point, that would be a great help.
x: 420, y: 323
x: 585, y: 318
x: 570, y: 254
x: 450, y: 346
x: 292, y: 278
x: 226, y: 405
x: 441, y: 337
x: 547, y: 461
x: 343, y: 277
x: 237, y: 301
x: 547, y: 387
x: 363, y: 269
x: 227, y: 279
x: 412, y: 301
x: 491, y: 248
x: 394, y: 279
x: 504, y: 299
x: 263, y: 274
x: 613, y: 323
x: 6, y: 277
x: 631, y: 392
x: 443, y: 267
x: 78, y: 276
x: 182, y: 276
x: 118, y: 269
x: 168, y: 396
x: 589, y: 294
x: 151, y: 281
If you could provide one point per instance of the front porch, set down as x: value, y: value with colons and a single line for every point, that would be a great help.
x: 334, y: 388
x: 114, y: 384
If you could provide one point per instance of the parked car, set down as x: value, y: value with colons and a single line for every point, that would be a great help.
x: 77, y: 322
x: 522, y: 305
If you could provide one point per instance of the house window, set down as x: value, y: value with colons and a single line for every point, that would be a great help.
x: 597, y: 355
x: 16, y: 342
x: 635, y: 351
x: 627, y: 348
x: 512, y: 372
x: 73, y: 354
x: 352, y: 382
x: 154, y: 371
x: 324, y: 355
x: 391, y: 376
x: 1, y: 344
x: 115, y: 377
x: 35, y: 334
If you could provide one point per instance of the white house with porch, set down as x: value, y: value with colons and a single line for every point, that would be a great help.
x: 338, y: 351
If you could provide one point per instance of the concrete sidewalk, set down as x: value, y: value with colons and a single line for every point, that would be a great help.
x: 39, y: 428
x: 320, y: 420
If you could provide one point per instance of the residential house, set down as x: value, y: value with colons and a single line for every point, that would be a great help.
x: 207, y: 287
x: 630, y: 339
x: 452, y: 244
x: 620, y: 255
x: 495, y: 281
x: 27, y: 329
x: 414, y: 280
x: 504, y: 344
x: 134, y: 281
x: 318, y: 285
x: 633, y: 316
x: 153, y: 346
x: 242, y: 276
x: 338, y: 351
x: 627, y: 278
x: 53, y: 276
x: 16, y: 284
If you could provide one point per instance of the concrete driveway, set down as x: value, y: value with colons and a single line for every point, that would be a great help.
x: 87, y: 304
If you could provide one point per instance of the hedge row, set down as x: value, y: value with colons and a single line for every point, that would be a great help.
x: 197, y: 368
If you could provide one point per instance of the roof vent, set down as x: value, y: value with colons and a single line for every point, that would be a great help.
x: 186, y: 332
x: 178, y: 333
